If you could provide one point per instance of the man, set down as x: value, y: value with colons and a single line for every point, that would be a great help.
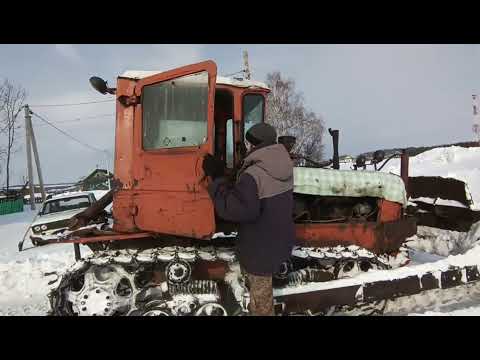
x: 261, y: 202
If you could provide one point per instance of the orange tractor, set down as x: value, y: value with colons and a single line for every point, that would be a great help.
x: 167, y: 253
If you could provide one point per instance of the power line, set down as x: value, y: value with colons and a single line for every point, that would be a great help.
x: 80, y: 119
x: 74, y: 104
x: 20, y: 136
x: 67, y: 134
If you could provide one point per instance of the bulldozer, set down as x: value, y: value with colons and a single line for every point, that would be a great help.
x: 166, y: 252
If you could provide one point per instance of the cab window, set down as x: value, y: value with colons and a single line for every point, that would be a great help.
x: 175, y: 112
x: 253, y: 105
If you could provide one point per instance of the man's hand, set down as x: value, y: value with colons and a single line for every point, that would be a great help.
x: 212, y: 166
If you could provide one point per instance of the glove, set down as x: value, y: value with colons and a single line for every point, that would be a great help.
x: 212, y: 166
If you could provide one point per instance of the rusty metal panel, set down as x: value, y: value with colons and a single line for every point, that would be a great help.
x: 361, y: 234
x: 122, y: 206
x: 391, y: 289
x: 389, y: 211
x: 96, y: 238
x: 123, y: 164
x: 379, y: 238
x: 170, y: 192
x: 391, y: 235
x: 180, y: 213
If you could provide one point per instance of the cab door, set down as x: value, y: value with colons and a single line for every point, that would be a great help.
x: 173, y: 131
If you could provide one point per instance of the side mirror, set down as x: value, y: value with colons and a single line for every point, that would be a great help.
x: 101, y: 85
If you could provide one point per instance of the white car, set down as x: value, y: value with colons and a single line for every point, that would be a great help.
x: 56, y: 213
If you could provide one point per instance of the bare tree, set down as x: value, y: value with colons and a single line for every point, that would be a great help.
x: 287, y: 113
x: 11, y: 101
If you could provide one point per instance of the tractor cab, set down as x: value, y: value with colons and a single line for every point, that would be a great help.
x: 166, y: 123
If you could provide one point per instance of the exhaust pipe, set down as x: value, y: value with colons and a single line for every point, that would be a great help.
x: 404, y: 160
x: 336, y: 159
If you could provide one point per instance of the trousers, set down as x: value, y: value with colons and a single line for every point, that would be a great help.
x: 261, y: 295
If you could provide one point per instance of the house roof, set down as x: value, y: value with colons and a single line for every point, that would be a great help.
x: 89, y: 176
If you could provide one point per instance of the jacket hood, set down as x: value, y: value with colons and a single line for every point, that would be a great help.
x: 274, y: 160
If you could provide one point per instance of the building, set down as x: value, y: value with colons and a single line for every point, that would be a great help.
x: 346, y: 159
x: 99, y: 179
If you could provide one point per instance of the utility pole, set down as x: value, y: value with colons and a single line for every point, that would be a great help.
x: 246, y: 67
x: 37, y: 158
x: 28, y: 149
x: 476, y: 118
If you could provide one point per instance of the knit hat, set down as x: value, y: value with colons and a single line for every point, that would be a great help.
x: 261, y: 133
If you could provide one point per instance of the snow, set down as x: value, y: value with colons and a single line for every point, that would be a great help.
x: 69, y: 194
x: 439, y: 201
x: 140, y: 74
x: 470, y: 311
x: 441, y: 242
x: 450, y: 162
x: 99, y: 193
x: 23, y: 286
x: 457, y: 301
x: 471, y: 257
x: 36, y: 195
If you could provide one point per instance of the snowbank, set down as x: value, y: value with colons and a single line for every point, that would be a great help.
x: 470, y: 311
x: 442, y: 242
x: 23, y: 287
x: 450, y: 162
x: 453, y: 162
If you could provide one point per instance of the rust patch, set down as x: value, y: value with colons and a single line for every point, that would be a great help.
x: 116, y: 184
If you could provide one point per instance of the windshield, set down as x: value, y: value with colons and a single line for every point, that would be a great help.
x: 54, y: 206
x: 175, y: 112
x: 252, y: 110
x: 229, y: 161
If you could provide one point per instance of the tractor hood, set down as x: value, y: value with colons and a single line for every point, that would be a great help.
x: 349, y: 183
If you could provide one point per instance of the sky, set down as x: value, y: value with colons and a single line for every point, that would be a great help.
x: 378, y: 96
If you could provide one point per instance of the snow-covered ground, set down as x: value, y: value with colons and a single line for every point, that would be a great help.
x: 23, y: 287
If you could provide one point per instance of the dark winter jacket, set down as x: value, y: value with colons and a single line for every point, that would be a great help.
x: 261, y: 202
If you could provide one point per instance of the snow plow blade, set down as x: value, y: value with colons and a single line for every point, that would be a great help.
x: 381, y: 285
x: 452, y: 211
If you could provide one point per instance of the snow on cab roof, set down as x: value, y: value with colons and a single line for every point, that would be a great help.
x: 140, y: 74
